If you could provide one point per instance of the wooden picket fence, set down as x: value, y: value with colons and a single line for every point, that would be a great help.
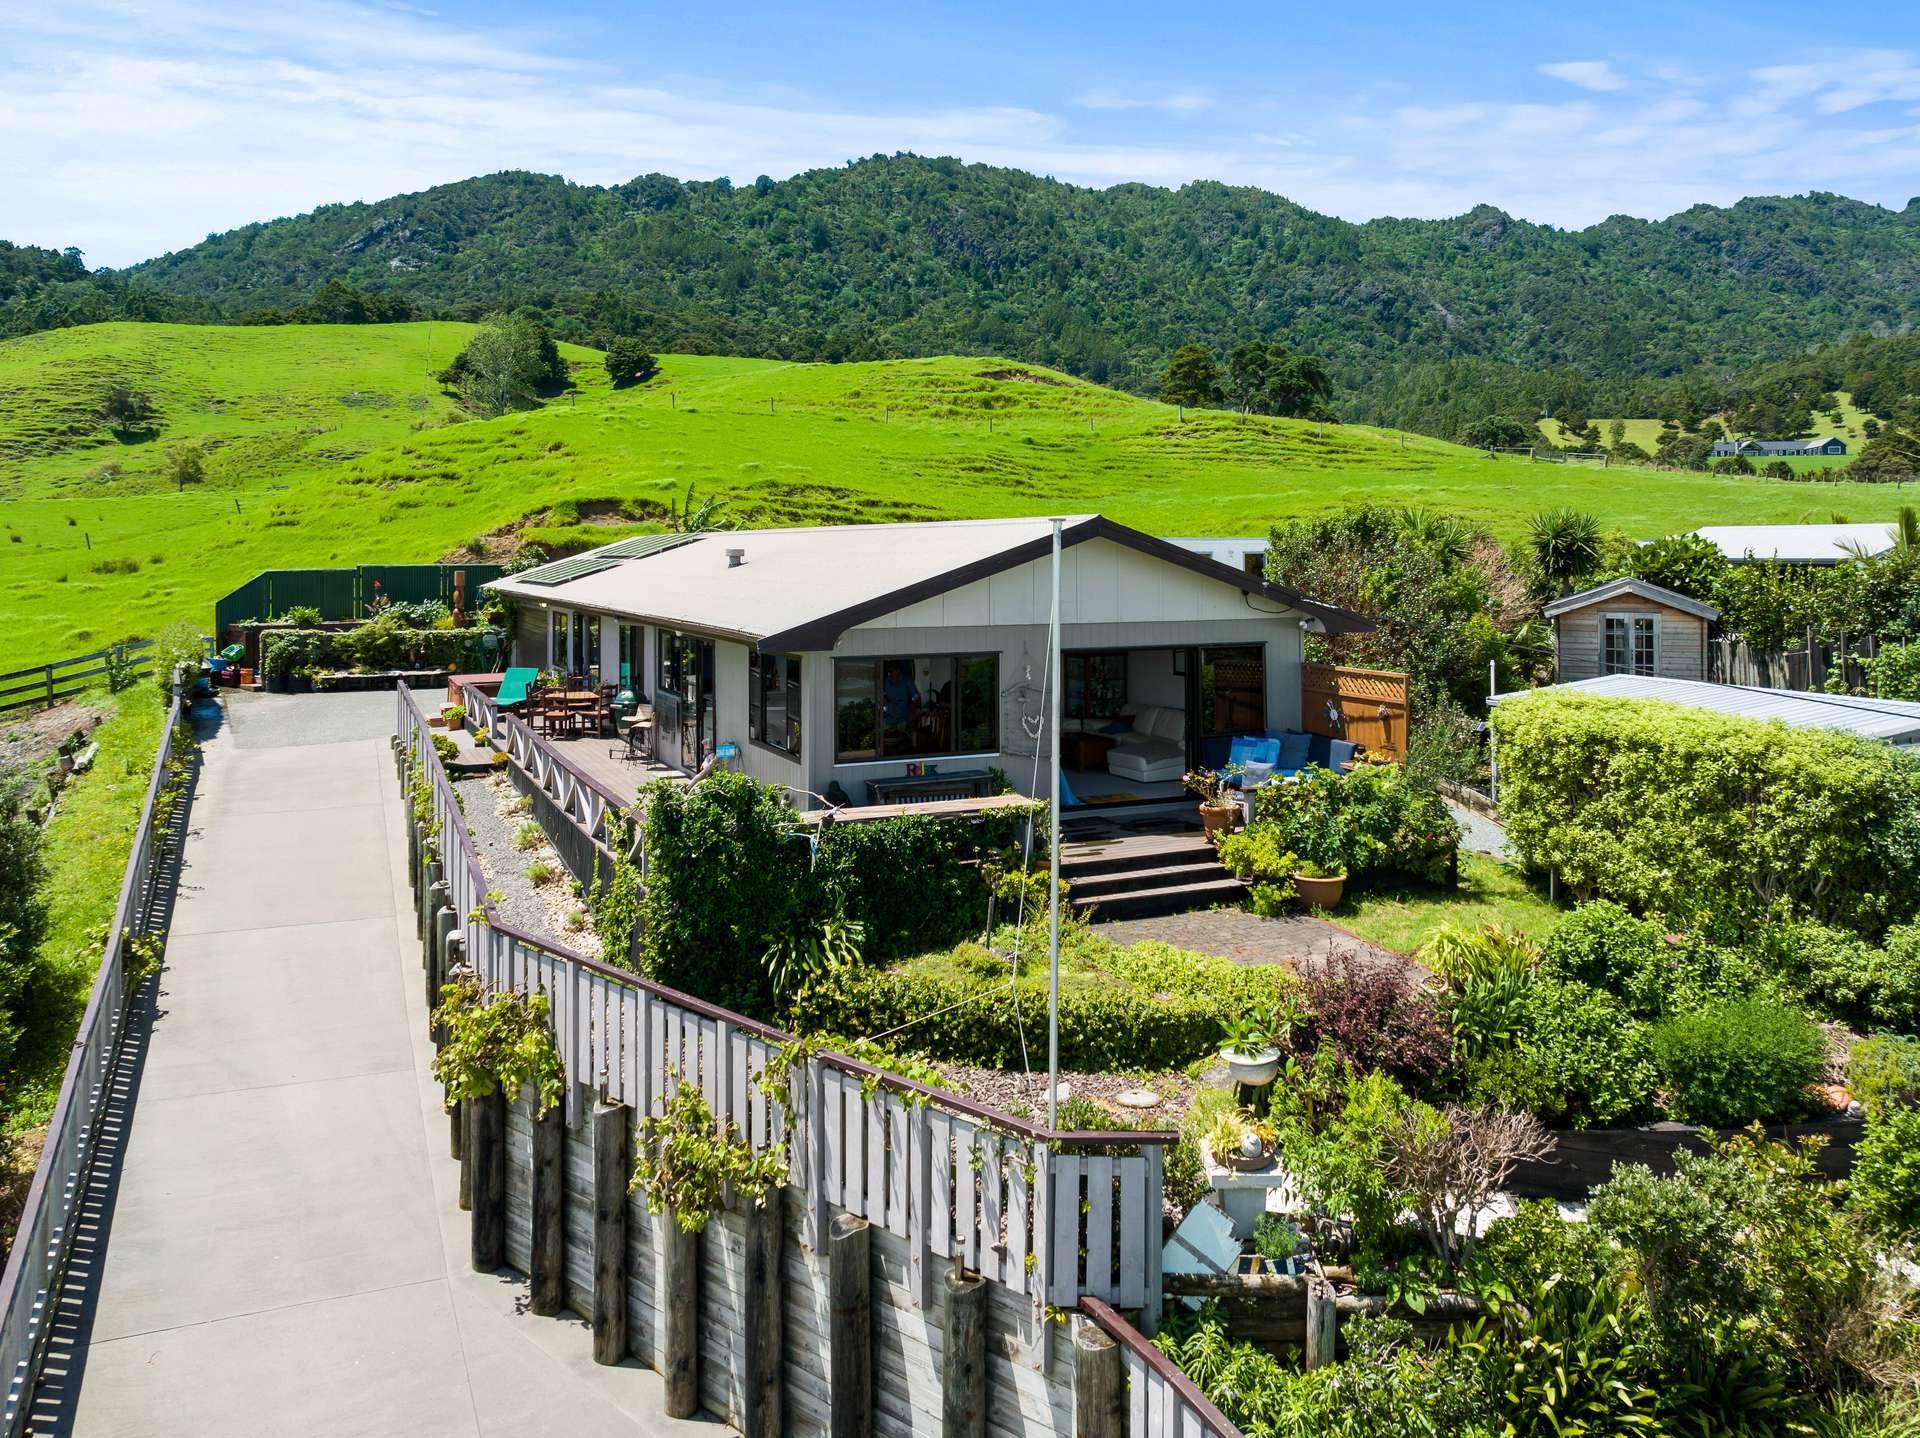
x: 1052, y: 1216
x: 1162, y: 1402
x: 41, y: 686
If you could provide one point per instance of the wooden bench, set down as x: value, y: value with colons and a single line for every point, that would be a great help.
x: 960, y: 784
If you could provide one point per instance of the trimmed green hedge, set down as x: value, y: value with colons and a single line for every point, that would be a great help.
x: 1148, y: 1007
x: 1714, y: 822
x: 730, y: 869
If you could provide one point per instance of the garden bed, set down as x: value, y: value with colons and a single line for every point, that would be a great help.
x: 1583, y: 1159
x: 497, y: 816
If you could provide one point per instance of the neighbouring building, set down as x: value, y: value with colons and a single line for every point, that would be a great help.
x: 1892, y: 721
x: 834, y: 659
x: 1628, y: 626
x: 1799, y: 543
x: 1780, y: 448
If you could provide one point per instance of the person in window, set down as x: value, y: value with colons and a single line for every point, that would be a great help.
x: 900, y: 693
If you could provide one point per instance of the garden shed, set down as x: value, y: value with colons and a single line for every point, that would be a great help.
x: 1628, y: 626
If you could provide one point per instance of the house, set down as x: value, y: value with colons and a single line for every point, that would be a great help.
x: 864, y: 662
x: 1247, y: 554
x: 1892, y: 721
x: 1778, y: 448
x: 1628, y: 626
x: 1799, y: 543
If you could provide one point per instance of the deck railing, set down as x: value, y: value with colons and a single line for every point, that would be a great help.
x: 584, y: 800
x: 1162, y: 1402
x: 1051, y: 1215
x: 37, y: 1266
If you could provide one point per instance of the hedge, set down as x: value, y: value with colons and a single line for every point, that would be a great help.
x: 1713, y: 822
x: 1149, y: 1007
x: 1374, y: 822
x: 372, y: 646
x: 730, y: 869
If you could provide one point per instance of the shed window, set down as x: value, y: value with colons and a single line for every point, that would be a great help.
x: 1631, y: 642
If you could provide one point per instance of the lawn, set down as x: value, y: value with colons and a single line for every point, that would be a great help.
x: 87, y: 840
x: 330, y: 445
x: 1400, y: 917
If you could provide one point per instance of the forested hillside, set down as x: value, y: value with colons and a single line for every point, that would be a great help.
x: 51, y: 289
x: 1423, y: 323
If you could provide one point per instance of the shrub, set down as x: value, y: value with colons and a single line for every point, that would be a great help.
x: 1733, y: 1063
x: 529, y: 836
x: 1374, y: 1014
x: 1884, y: 1070
x: 1375, y: 821
x: 1603, y: 946
x: 23, y: 905
x: 1589, y: 1055
x: 179, y: 644
x: 1885, y: 1188
x: 1694, y: 815
x: 302, y: 616
x: 1146, y: 1007
x: 541, y: 872
x: 383, y: 643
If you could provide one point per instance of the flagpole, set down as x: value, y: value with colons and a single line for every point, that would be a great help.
x: 1053, y: 852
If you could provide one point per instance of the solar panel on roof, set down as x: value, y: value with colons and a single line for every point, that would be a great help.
x: 560, y: 571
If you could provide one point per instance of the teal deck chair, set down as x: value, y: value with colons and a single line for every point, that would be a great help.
x: 514, y: 686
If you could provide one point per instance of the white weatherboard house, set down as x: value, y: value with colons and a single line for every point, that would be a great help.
x: 891, y: 661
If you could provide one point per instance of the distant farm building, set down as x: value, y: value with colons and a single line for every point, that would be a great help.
x: 1777, y: 448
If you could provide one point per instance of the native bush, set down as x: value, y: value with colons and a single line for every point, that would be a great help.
x: 1734, y: 1063
x: 1843, y: 975
x: 1885, y: 1187
x: 1711, y: 821
x: 1885, y: 1070
x: 1590, y: 1059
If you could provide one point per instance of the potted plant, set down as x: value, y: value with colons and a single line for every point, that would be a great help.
x: 1216, y: 809
x: 1318, y: 886
x: 1248, y: 1051
x: 1278, y: 1246
x: 1225, y: 1137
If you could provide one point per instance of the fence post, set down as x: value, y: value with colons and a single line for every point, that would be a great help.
x: 1323, y: 1323
x: 963, y: 1371
x: 488, y: 1140
x: 680, y: 1316
x: 850, y: 1328
x: 547, y: 1265
x: 1098, y: 1406
x: 764, y: 1380
x: 612, y: 1166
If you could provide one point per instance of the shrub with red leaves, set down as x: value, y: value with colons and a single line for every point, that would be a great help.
x: 1376, y: 1015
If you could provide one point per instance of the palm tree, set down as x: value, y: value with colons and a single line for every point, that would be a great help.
x: 686, y: 517
x: 1565, y: 544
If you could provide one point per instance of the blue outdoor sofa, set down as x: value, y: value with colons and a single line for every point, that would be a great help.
x: 1288, y: 751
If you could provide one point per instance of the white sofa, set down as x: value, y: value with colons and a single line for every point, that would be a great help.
x: 1155, y: 750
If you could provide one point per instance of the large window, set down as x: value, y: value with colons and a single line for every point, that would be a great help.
x: 632, y: 643
x: 773, y: 700
x: 1096, y: 686
x: 920, y: 707
x: 1630, y: 641
x: 669, y: 679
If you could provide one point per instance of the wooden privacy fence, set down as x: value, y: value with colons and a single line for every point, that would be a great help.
x: 1053, y: 1216
x: 1367, y: 706
x: 1731, y: 660
x: 45, y: 685
x: 30, y: 1289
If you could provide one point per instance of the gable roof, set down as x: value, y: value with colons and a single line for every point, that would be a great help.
x: 1640, y: 589
x: 1799, y: 543
x: 800, y: 589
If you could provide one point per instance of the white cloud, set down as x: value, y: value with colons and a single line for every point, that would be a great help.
x: 1587, y: 74
x: 135, y: 130
x: 1175, y: 100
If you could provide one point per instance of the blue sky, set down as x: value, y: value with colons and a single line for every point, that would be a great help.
x: 132, y: 127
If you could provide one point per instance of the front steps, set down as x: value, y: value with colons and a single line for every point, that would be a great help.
x: 1143, y: 876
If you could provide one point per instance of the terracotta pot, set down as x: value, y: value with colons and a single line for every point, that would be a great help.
x: 1319, y: 893
x: 1216, y: 818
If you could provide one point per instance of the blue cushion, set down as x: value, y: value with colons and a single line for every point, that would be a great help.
x: 1244, y: 750
x: 1340, y: 753
x: 1290, y: 753
x: 1319, y: 751
x: 1119, y: 726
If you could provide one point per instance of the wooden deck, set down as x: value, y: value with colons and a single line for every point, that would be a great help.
x: 932, y: 808
x: 605, y: 762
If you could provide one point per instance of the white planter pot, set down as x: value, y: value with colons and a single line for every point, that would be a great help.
x: 1256, y: 1068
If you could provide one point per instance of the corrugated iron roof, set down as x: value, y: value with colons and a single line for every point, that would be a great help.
x: 1894, y: 720
x: 1799, y: 543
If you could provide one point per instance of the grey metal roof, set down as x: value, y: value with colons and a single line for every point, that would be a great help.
x: 1614, y: 588
x: 1799, y: 543
x: 1894, y: 720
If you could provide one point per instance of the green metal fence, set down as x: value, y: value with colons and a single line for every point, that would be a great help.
x: 346, y: 593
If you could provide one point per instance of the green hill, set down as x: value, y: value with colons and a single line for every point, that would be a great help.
x: 904, y: 255
x: 330, y: 446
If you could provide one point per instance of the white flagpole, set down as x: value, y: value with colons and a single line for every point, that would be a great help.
x: 1053, y: 848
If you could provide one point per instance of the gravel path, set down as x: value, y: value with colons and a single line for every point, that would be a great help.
x: 541, y: 909
x: 1482, y: 835
x: 1300, y: 941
